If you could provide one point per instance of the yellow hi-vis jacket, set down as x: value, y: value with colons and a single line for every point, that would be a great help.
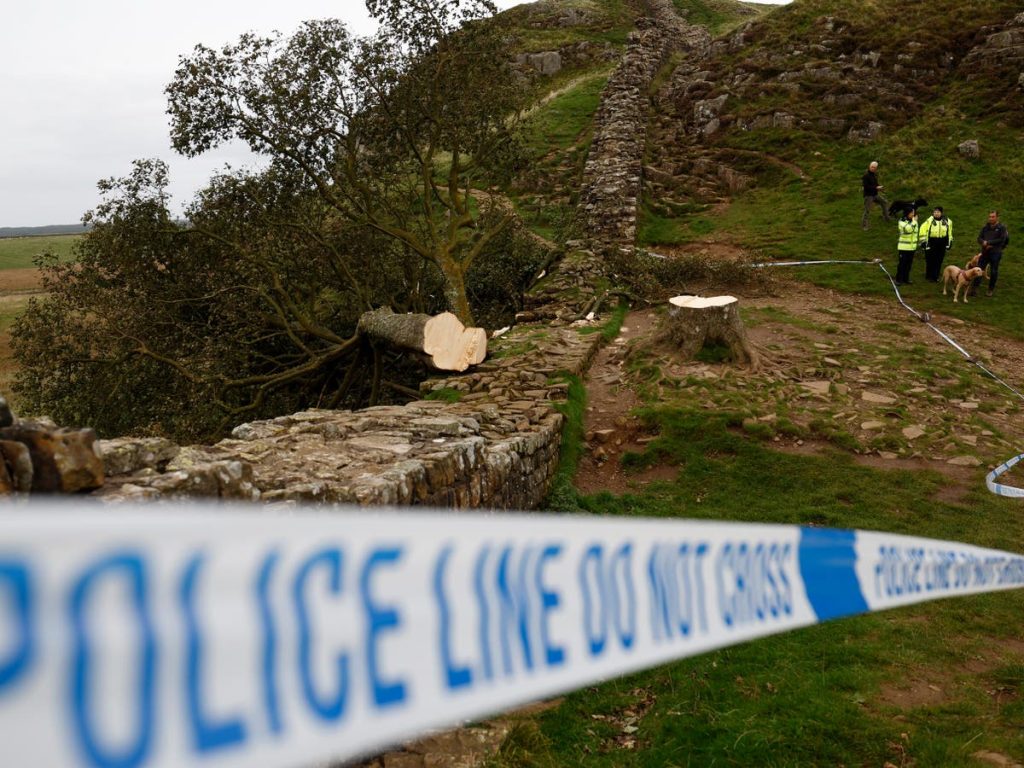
x: 908, y: 235
x: 936, y: 230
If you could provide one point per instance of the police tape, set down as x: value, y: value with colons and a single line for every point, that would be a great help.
x: 999, y: 489
x: 173, y: 636
x: 1004, y: 490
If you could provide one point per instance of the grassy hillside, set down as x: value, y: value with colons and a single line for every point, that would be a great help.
x: 937, y: 685
x: 804, y: 197
x: 719, y: 16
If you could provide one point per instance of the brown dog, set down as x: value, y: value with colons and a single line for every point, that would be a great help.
x: 976, y: 262
x: 961, y: 278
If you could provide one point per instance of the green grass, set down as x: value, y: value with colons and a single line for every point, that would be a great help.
x: 563, y: 120
x: 609, y: 21
x: 819, y: 218
x: 822, y: 695
x: 444, y: 395
x: 18, y: 252
x: 719, y: 16
x: 10, y: 308
x: 563, y: 496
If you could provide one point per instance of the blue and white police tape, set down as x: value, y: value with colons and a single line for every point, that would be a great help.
x: 1004, y: 490
x: 183, y: 637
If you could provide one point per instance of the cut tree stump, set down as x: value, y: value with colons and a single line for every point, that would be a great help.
x: 694, y: 322
x: 442, y: 340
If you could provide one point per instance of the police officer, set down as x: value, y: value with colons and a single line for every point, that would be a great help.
x: 909, y: 238
x: 937, y: 237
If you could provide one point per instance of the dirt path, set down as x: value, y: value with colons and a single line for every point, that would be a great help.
x: 852, y: 372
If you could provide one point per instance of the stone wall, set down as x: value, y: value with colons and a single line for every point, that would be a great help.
x: 613, y: 176
x: 497, y: 447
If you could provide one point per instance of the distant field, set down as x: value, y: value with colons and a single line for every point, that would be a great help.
x: 19, y: 279
x: 10, y: 308
x: 18, y: 252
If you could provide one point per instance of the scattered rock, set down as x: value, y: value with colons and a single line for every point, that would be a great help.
x: 818, y: 387
x: 879, y: 398
x: 969, y: 149
x: 869, y: 426
x: 18, y: 465
x: 965, y: 461
x: 914, y: 432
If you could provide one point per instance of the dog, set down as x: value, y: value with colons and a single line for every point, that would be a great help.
x: 976, y: 262
x: 901, y: 207
x: 961, y: 278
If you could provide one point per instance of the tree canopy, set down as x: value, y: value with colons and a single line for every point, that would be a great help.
x: 391, y: 132
x: 381, y: 152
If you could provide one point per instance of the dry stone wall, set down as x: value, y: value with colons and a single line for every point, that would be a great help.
x: 498, y: 445
x: 613, y: 176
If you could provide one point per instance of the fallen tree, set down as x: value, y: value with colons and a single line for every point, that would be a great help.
x: 442, y: 341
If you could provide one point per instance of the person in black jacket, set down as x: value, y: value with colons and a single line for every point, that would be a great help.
x: 993, y: 238
x: 872, y: 194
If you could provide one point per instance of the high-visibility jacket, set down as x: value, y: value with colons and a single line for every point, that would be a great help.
x: 908, y: 235
x: 937, y: 230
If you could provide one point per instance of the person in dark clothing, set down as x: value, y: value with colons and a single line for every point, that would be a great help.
x: 909, y: 238
x: 993, y: 238
x: 937, y: 236
x: 872, y: 195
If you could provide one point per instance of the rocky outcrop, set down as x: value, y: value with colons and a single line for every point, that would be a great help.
x: 545, y: 62
x: 1002, y: 50
x: 613, y: 176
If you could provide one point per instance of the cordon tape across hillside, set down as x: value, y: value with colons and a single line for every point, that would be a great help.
x: 236, y: 636
x: 990, y: 480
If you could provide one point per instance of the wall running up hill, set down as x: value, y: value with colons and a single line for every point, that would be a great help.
x: 498, y: 445
x: 613, y: 176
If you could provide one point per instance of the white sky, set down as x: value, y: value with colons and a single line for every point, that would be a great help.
x: 81, y: 91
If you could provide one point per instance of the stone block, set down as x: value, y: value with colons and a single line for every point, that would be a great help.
x: 17, y: 463
x: 63, y: 460
x: 969, y: 149
x: 126, y: 455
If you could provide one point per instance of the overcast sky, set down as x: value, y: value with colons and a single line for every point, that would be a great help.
x: 81, y: 91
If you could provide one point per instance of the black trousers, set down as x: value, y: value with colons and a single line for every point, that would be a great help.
x: 906, y: 261
x: 990, y: 260
x: 934, y: 253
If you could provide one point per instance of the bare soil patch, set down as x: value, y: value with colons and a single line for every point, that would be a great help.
x: 20, y: 280
x: 913, y: 691
x: 611, y: 425
x: 841, y: 372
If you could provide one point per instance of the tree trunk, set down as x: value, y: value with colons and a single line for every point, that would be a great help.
x: 444, y: 342
x: 455, y: 291
x: 694, y: 322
